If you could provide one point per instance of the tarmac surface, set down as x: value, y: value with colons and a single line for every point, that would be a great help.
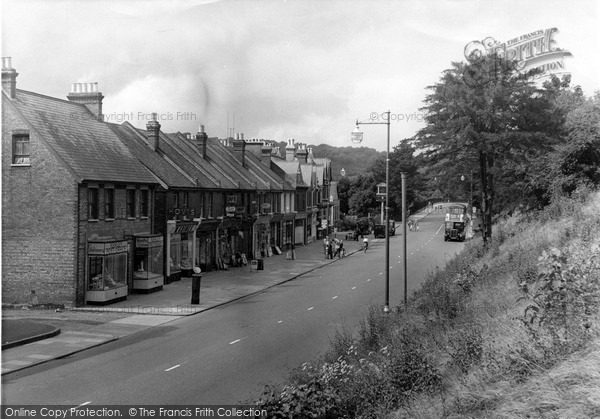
x: 31, y: 336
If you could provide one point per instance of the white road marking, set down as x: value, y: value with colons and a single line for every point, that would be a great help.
x: 334, y: 297
x: 438, y: 230
x: 280, y: 321
x: 353, y: 288
x: 172, y: 368
x: 310, y: 308
x: 234, y: 341
x: 369, y: 280
x: 380, y: 273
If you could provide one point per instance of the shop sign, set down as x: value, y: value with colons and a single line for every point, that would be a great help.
x: 107, y: 248
x: 230, y: 209
x: 185, y: 228
x: 266, y: 206
x: 191, y: 212
x: 149, y: 242
x: 240, y: 210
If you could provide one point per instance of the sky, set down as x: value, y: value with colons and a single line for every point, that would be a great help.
x: 276, y: 70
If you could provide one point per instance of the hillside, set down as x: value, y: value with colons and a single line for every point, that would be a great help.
x: 511, y: 331
x: 354, y: 160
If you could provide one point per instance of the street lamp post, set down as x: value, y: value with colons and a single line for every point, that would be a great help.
x: 357, y: 137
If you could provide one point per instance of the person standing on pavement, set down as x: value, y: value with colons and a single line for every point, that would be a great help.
x: 330, y: 250
x: 325, y: 246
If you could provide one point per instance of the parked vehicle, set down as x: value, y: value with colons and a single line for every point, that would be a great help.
x: 379, y: 230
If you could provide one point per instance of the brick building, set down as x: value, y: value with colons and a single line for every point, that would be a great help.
x: 73, y: 197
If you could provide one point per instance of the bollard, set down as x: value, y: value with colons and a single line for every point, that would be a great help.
x: 196, y: 279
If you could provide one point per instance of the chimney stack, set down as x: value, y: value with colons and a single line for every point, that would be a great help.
x: 266, y: 154
x: 87, y: 94
x: 153, y: 127
x: 9, y: 77
x: 302, y: 153
x: 239, y: 149
x: 201, y: 140
x: 290, y: 150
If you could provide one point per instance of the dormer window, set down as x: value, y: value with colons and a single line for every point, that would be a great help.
x: 20, y: 141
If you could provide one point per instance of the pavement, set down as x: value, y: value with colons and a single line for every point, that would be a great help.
x: 31, y: 336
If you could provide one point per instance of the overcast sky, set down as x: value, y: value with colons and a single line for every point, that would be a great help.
x: 302, y: 69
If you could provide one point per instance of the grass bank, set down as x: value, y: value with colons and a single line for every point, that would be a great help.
x: 509, y: 331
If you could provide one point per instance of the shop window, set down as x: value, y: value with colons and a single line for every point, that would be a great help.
x: 130, y: 203
x: 180, y: 252
x: 107, y: 272
x: 93, y: 203
x: 144, y: 203
x: 109, y: 203
x: 20, y: 148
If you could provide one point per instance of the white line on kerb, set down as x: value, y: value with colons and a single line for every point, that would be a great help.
x: 172, y: 368
x: 234, y: 341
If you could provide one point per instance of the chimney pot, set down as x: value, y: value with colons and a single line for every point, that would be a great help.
x: 9, y: 77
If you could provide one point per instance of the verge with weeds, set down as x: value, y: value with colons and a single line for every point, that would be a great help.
x: 497, y: 333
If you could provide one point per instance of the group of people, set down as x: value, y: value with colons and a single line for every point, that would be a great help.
x: 333, y: 247
x: 413, y: 225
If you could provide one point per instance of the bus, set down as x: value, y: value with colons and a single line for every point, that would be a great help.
x: 456, y: 222
x: 379, y: 230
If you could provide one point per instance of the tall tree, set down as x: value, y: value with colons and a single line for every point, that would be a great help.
x: 483, y: 113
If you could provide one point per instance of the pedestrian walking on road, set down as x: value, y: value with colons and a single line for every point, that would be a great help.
x: 365, y: 244
x: 330, y: 250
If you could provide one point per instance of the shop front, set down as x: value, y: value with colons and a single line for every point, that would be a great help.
x: 107, y: 271
x: 275, y: 239
x: 287, y: 227
x: 148, y: 263
x: 181, y: 245
x: 206, y: 236
x: 228, y: 243
x: 261, y: 234
x: 300, y: 223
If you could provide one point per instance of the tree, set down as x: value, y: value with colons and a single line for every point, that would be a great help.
x: 484, y: 114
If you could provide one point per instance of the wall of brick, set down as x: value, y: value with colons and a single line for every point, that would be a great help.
x: 119, y: 228
x: 39, y: 206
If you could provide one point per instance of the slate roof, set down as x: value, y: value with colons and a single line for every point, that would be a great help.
x: 291, y: 170
x: 256, y: 165
x: 170, y: 175
x: 89, y: 148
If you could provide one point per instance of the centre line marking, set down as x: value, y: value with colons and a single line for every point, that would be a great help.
x: 310, y: 308
x: 172, y: 368
x: 234, y: 341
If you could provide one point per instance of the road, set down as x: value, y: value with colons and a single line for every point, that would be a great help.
x: 227, y: 355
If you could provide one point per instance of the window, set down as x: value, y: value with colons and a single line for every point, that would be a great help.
x: 93, y: 203
x: 144, y: 203
x: 176, y: 200
x: 130, y: 203
x: 185, y: 199
x: 20, y: 148
x: 109, y: 203
x: 209, y: 205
